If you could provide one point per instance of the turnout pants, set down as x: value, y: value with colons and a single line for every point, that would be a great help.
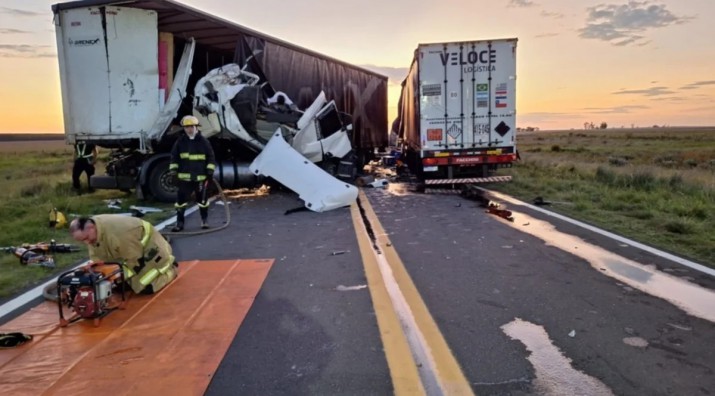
x: 186, y: 188
x: 81, y: 165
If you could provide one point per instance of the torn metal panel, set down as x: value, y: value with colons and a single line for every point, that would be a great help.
x: 320, y: 191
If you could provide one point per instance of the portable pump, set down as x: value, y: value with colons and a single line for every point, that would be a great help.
x: 87, y: 291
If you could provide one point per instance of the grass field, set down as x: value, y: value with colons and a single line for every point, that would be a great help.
x: 656, y: 186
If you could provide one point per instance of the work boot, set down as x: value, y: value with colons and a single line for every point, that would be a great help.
x: 178, y: 227
x: 179, y: 221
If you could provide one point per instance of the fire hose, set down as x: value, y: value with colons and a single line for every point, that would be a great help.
x: 227, y: 212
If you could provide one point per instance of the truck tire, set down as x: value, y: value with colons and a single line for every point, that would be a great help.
x: 162, y: 182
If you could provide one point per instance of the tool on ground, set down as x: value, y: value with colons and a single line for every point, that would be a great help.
x: 30, y: 257
x: 51, y: 247
x: 87, y: 292
x: 15, y: 339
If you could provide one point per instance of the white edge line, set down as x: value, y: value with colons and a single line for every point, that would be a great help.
x: 666, y: 255
x: 36, y: 292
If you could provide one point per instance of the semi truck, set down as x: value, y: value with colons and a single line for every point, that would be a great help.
x: 131, y: 69
x: 457, y: 111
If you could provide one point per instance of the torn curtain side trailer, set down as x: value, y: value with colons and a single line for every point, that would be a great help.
x: 457, y: 111
x: 129, y: 70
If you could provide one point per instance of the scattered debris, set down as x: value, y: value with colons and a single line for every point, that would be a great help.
x: 363, y: 181
x: 572, y: 334
x: 247, y: 192
x: 503, y: 213
x: 339, y: 252
x: 635, y: 342
x: 114, y: 203
x: 145, y: 209
x: 350, y: 288
x: 379, y: 183
x: 680, y: 327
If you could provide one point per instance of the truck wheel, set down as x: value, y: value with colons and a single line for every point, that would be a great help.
x: 162, y: 182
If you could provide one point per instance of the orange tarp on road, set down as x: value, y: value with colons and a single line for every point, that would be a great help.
x: 167, y: 343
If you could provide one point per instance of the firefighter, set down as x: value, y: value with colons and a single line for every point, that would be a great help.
x: 85, y: 156
x: 146, y: 256
x: 193, y: 159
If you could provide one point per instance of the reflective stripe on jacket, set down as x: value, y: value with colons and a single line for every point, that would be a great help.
x: 142, y: 250
x: 84, y: 150
x: 192, y: 159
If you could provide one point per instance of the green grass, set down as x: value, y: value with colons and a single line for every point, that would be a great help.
x: 655, y: 186
x: 35, y: 181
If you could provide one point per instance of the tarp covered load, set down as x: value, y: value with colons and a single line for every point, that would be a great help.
x: 302, y: 75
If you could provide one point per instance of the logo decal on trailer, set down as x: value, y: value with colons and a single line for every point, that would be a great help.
x: 482, y: 95
x: 84, y: 42
x: 501, y: 95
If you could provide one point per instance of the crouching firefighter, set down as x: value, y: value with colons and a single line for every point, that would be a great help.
x: 192, y: 157
x: 147, y: 258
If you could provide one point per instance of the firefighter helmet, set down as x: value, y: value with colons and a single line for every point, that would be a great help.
x: 189, y: 120
x: 57, y: 219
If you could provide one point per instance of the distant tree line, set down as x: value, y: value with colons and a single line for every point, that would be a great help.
x: 591, y: 125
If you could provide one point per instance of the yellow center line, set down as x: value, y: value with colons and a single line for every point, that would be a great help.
x: 403, y: 370
x: 447, y: 371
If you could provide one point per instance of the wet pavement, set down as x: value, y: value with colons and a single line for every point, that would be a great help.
x: 478, y: 272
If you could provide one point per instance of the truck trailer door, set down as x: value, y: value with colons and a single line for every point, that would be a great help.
x: 108, y: 71
x: 467, y: 95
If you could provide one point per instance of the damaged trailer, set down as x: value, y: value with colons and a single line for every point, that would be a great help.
x: 129, y: 70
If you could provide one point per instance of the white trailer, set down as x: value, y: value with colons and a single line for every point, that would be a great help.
x: 457, y: 111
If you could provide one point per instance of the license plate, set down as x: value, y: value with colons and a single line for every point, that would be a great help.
x: 430, y: 169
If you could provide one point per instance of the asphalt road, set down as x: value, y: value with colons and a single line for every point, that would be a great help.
x: 312, y: 329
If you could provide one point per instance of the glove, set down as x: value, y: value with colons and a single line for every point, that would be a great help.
x: 209, y: 175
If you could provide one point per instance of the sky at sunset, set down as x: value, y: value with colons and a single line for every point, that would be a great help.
x: 626, y: 63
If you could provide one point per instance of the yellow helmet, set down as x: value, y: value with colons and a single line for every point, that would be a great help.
x: 189, y: 120
x: 57, y: 219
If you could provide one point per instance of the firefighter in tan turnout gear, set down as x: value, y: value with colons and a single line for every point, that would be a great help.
x: 193, y: 159
x: 147, y: 258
